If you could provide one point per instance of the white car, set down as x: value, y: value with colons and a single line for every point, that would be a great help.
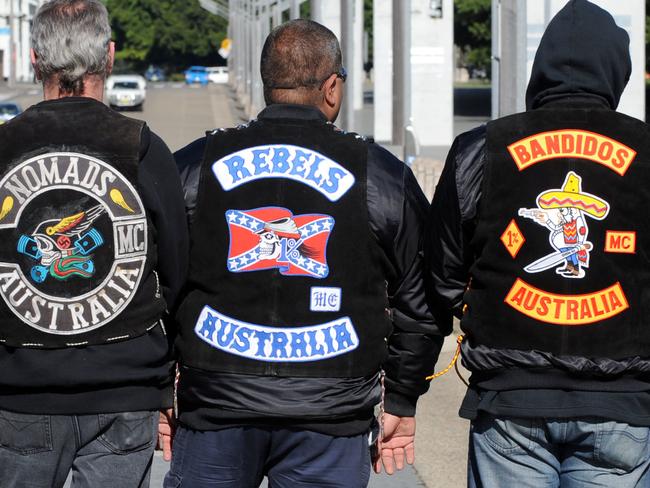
x: 218, y: 74
x: 126, y: 91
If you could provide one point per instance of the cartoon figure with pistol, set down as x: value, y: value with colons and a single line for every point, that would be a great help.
x: 564, y: 211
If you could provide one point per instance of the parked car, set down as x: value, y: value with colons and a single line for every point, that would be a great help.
x: 218, y: 74
x: 8, y: 111
x: 126, y: 91
x: 196, y: 74
x: 154, y: 73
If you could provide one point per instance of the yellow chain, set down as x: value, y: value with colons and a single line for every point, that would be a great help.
x: 459, y: 340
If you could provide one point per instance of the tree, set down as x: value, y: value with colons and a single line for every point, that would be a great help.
x: 176, y: 33
x: 647, y: 36
x: 473, y: 33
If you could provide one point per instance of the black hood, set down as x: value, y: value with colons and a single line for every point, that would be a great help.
x: 582, y: 53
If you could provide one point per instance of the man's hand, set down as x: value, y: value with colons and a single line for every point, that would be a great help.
x: 397, y: 444
x: 166, y: 430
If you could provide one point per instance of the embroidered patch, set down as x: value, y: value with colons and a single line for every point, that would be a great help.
x: 572, y: 143
x: 284, y: 161
x: 620, y: 241
x: 78, y: 239
x: 568, y: 310
x: 276, y: 344
x: 272, y: 237
x: 325, y: 299
x: 563, y: 212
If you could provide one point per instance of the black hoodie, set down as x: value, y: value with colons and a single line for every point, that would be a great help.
x: 583, y: 53
x: 582, y: 62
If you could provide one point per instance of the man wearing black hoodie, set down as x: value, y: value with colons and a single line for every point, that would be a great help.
x: 535, y: 241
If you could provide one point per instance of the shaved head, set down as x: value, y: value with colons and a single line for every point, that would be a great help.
x: 297, y: 56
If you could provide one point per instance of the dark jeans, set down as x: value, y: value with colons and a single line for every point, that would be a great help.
x: 240, y: 458
x: 105, y: 450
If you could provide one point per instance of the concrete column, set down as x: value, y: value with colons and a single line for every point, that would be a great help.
x: 248, y: 72
x: 432, y: 68
x: 383, y: 70
x: 26, y: 65
x: 259, y: 34
x: 512, y: 55
x: 496, y: 56
x: 328, y: 13
x: 242, y: 52
x: 277, y: 15
x: 402, y: 19
x: 294, y: 12
x: 316, y: 7
x: 346, y: 116
x: 357, y: 59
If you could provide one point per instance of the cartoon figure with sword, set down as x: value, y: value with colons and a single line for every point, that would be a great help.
x: 564, y: 211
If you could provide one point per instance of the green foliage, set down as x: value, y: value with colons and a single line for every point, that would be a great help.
x: 173, y: 33
x: 647, y: 35
x: 473, y: 33
x: 367, y: 26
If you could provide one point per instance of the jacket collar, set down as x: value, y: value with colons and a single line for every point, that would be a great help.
x: 291, y: 111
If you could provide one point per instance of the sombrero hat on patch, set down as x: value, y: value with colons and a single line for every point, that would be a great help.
x: 572, y: 196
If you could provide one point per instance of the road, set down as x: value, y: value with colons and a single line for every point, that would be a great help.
x: 181, y: 114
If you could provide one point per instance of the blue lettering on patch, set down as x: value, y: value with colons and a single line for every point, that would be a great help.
x: 266, y: 343
x: 284, y: 161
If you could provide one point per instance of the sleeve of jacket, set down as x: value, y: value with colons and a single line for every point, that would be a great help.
x: 398, y: 209
x: 188, y: 162
x: 162, y: 196
x: 451, y: 224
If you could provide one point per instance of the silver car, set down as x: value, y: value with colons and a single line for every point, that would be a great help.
x: 126, y: 91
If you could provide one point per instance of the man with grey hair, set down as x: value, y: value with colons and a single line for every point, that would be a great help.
x: 93, y: 246
x: 305, y: 282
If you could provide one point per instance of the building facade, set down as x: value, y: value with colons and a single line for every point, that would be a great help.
x: 15, y: 29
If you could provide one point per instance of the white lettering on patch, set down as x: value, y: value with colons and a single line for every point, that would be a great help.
x: 325, y: 299
x: 276, y: 344
x: 284, y: 161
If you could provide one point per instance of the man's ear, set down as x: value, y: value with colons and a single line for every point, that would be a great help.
x: 111, y: 58
x: 32, y: 57
x: 330, y: 93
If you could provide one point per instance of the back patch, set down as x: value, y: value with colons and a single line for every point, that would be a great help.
x: 73, y: 245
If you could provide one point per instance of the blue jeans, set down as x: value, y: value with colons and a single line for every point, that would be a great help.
x: 240, y: 457
x: 105, y: 450
x: 567, y: 453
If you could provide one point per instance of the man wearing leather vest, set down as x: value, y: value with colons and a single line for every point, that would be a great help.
x: 537, y: 241
x: 94, y: 245
x: 305, y: 281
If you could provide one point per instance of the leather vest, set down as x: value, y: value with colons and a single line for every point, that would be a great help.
x: 284, y: 274
x: 561, y: 236
x: 77, y: 254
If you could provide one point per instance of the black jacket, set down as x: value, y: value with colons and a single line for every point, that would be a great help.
x: 397, y: 209
x: 588, y: 72
x: 128, y: 375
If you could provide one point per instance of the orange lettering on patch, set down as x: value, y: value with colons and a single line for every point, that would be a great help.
x: 619, y: 241
x: 568, y: 310
x: 572, y: 143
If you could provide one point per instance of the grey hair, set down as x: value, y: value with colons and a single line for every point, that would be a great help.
x: 71, y: 39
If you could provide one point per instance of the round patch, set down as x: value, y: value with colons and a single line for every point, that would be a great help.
x: 73, y: 242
